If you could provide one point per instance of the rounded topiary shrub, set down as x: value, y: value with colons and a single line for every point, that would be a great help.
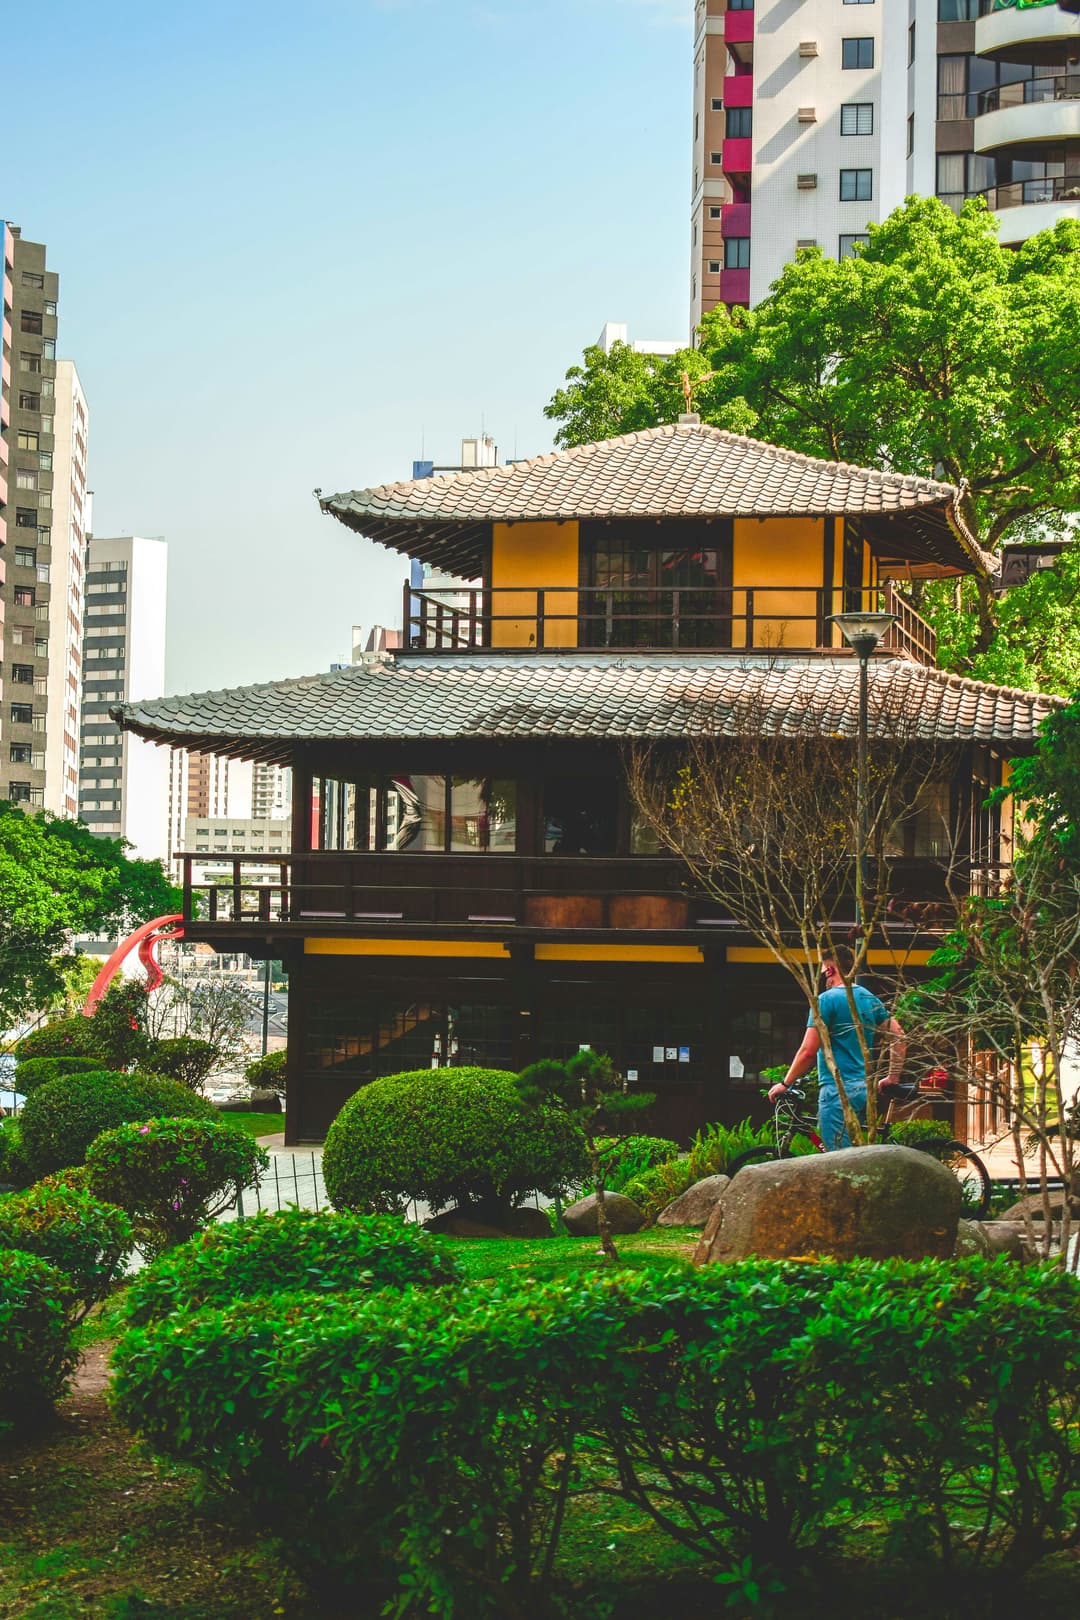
x: 61, y: 1118
x: 297, y: 1249
x: 447, y: 1137
x: 268, y: 1073
x: 64, y: 1037
x: 36, y: 1350
x: 85, y: 1239
x: 183, y: 1058
x: 38, y: 1071
x: 173, y: 1175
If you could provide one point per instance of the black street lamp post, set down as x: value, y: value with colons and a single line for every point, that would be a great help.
x: 863, y: 632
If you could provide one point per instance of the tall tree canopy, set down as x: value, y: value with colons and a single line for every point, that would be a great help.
x: 57, y: 879
x: 932, y: 351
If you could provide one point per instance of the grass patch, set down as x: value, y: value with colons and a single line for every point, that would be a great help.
x: 486, y: 1259
x: 257, y: 1124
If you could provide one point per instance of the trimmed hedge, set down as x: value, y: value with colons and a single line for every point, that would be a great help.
x: 448, y: 1137
x: 299, y: 1250
x: 14, y: 1170
x: 183, y: 1058
x: 755, y: 1412
x: 625, y: 1157
x: 172, y: 1176
x: 60, y: 1119
x: 36, y: 1350
x: 267, y: 1073
x: 38, y: 1071
x: 85, y: 1239
x: 64, y: 1037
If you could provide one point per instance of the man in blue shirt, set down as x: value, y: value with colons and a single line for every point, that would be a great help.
x: 835, y: 1013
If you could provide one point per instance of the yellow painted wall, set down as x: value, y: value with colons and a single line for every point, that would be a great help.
x: 618, y: 953
x: 876, y: 958
x: 785, y: 552
x: 532, y: 554
x: 403, y: 947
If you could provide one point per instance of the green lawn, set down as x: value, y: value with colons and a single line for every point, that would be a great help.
x: 257, y: 1124
x: 490, y: 1258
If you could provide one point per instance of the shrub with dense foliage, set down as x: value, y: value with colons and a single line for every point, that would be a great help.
x: 624, y: 1157
x: 183, y: 1058
x: 36, y: 1349
x: 59, y: 1120
x: 267, y: 1073
x: 14, y: 1170
x: 85, y: 1239
x: 293, y: 1251
x: 38, y: 1071
x: 447, y: 1137
x: 64, y: 1037
x: 711, y: 1151
x: 753, y: 1412
x: 172, y: 1176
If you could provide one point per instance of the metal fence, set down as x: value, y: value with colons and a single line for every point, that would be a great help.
x: 292, y: 1178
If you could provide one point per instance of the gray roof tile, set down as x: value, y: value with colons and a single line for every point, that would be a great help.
x: 589, y: 696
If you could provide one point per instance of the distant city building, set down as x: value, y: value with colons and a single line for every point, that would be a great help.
x: 613, y: 332
x: 213, y: 801
x: 271, y: 791
x: 43, y: 485
x: 123, y: 786
x: 223, y: 836
x: 812, y: 120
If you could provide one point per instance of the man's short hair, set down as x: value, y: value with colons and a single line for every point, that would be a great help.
x: 843, y: 956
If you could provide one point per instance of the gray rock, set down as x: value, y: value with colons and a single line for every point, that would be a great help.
x: 518, y: 1223
x: 696, y: 1204
x: 970, y: 1239
x: 874, y: 1202
x: 581, y: 1219
x: 1003, y: 1237
x: 1031, y: 1207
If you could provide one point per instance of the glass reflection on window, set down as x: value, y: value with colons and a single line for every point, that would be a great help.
x: 416, y: 813
x: 483, y: 815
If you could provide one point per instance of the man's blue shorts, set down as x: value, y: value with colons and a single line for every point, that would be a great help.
x: 831, y: 1127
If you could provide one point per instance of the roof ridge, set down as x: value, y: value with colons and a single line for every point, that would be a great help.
x: 952, y: 677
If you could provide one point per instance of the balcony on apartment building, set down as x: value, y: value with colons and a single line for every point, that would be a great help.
x: 739, y: 24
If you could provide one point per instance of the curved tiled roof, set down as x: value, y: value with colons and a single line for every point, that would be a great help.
x: 589, y: 696
x: 681, y: 470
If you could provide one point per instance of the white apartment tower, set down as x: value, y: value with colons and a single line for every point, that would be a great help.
x: 123, y: 786
x: 813, y: 118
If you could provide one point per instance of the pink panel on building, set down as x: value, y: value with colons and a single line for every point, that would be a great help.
x: 735, y: 219
x: 739, y: 90
x: 738, y: 27
x: 735, y: 284
x: 738, y: 152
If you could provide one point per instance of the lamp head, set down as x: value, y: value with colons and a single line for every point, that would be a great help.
x: 863, y: 631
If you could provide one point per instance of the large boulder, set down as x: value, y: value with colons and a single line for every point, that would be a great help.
x: 582, y: 1219
x: 872, y: 1202
x: 696, y: 1204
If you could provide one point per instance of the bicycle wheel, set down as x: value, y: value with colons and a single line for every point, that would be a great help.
x: 969, y: 1171
x: 758, y: 1155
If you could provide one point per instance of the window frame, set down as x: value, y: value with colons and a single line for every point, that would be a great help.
x: 858, y: 108
x: 858, y: 42
x: 857, y: 178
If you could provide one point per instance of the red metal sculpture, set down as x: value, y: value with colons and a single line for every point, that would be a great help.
x: 146, y: 939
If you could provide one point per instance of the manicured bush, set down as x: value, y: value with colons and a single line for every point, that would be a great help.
x: 447, y: 1136
x: 268, y: 1073
x: 64, y: 1037
x: 624, y: 1157
x: 36, y: 1350
x: 909, y: 1132
x: 14, y: 1170
x: 755, y: 1412
x: 295, y: 1250
x: 85, y: 1239
x: 33, y: 1072
x: 61, y: 1118
x: 172, y: 1176
x: 183, y: 1059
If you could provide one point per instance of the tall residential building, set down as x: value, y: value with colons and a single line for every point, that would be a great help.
x: 209, y: 787
x: 813, y: 118
x: 7, y: 298
x: 47, y: 428
x: 123, y: 788
x: 271, y: 791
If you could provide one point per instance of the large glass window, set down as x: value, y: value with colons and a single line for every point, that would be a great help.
x: 638, y: 593
x: 483, y: 815
x: 580, y: 816
x: 419, y: 814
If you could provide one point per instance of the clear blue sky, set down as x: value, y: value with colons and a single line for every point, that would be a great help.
x: 298, y: 241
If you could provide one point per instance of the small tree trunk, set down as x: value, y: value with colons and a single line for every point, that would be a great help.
x: 604, y: 1229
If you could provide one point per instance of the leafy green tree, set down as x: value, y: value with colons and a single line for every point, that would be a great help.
x: 589, y: 1091
x: 933, y: 351
x: 58, y: 879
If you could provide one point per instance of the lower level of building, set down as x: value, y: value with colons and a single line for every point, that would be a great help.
x: 694, y: 1025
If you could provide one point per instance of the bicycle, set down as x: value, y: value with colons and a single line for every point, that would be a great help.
x: 789, y: 1126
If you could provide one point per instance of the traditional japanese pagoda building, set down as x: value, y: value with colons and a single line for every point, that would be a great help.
x: 468, y: 880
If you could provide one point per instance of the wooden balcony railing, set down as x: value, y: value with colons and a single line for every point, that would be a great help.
x: 501, y: 893
x: 592, y: 618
